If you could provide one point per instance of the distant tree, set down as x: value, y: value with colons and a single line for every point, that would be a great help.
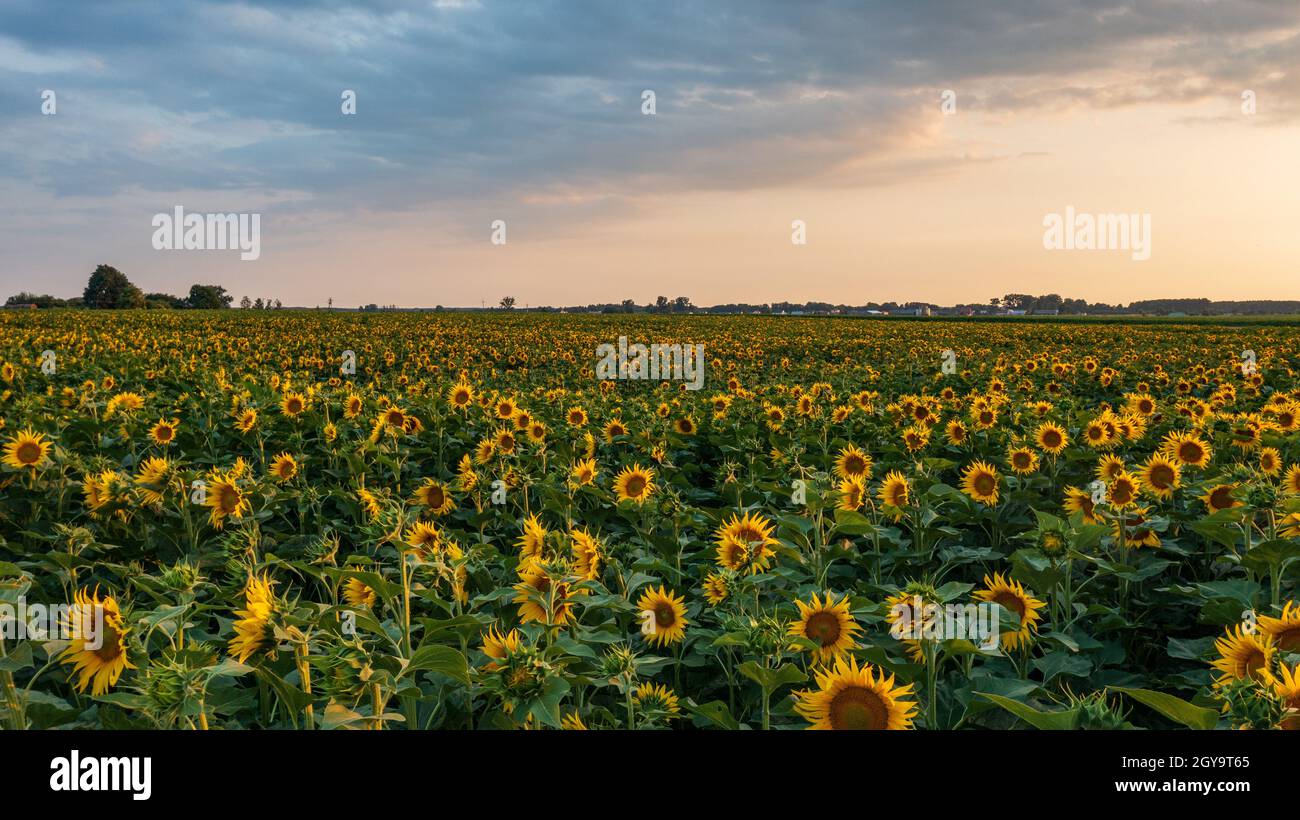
x: 108, y: 288
x: 682, y: 304
x: 42, y: 301
x: 330, y: 303
x: 163, y: 301
x: 507, y: 303
x: 278, y: 304
x: 208, y: 297
x: 245, y: 303
x: 661, y: 304
x: 259, y: 304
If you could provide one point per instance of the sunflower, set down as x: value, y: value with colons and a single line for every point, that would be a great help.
x: 505, y: 441
x: 352, y: 406
x: 1284, y: 631
x: 745, y: 542
x: 1051, y: 438
x: 460, y: 396
x: 284, y: 467
x: 153, y: 478
x: 1160, y: 476
x: 246, y: 420
x: 535, y: 582
x: 1023, y: 461
x: 27, y: 449
x: 253, y: 627
x: 356, y: 593
x: 715, y: 588
x: 1109, y: 468
x: 852, y: 492
x: 635, y: 483
x: 435, y: 497
x: 505, y: 409
x: 164, y: 432
x: 1287, y: 687
x: 576, y: 417
x: 655, y: 697
x: 225, y: 499
x: 1122, y: 491
x: 1219, y: 497
x: 663, y: 616
x: 97, y: 650
x: 853, y: 463
x: 533, y: 538
x: 684, y: 426
x: 1012, y: 595
x: 980, y: 481
x: 1188, y: 449
x: 583, y: 473
x: 1291, y: 482
x: 895, y: 493
x: 293, y: 404
x: 853, y: 697
x: 957, y: 433
x: 498, y: 646
x: 1270, y: 461
x: 1080, y: 501
x: 484, y: 451
x: 614, y: 429
x: 1245, y: 654
x: 587, y: 555
x: 828, y: 624
x: 424, y: 538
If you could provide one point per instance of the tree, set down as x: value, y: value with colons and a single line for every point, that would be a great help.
x: 661, y: 304
x: 682, y: 304
x: 165, y: 301
x: 109, y: 288
x: 42, y: 301
x: 507, y: 303
x: 208, y: 297
x: 245, y: 303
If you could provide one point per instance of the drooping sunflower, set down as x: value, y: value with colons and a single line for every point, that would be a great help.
x: 635, y: 483
x: 853, y: 463
x: 532, y: 539
x: 829, y: 624
x: 852, y: 493
x: 97, y: 649
x: 656, y: 697
x: 27, y: 449
x: 246, y: 420
x: 253, y: 626
x: 540, y: 597
x: 357, y: 593
x: 895, y: 493
x: 715, y: 588
x: 1245, y: 654
x: 663, y: 616
x: 498, y: 645
x: 153, y: 479
x: 1012, y: 595
x: 435, y: 497
x: 425, y: 538
x: 853, y: 697
x: 1284, y: 631
x: 980, y: 481
x: 587, y: 554
x: 1080, y: 501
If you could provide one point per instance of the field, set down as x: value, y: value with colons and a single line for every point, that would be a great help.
x: 456, y: 525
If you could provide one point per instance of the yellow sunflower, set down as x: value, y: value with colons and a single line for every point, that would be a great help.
x: 1051, y: 438
x: 284, y: 467
x: 852, y: 493
x: 745, y: 542
x: 357, y: 593
x: 980, y: 481
x: 1285, y: 630
x: 1244, y: 654
x: 662, y: 615
x: 1012, y: 595
x: 97, y: 649
x: 164, y: 432
x: 827, y: 623
x: 435, y: 497
x: 853, y: 463
x: 27, y: 449
x: 853, y: 697
x: 253, y: 626
x: 895, y: 493
x: 635, y: 483
x: 1160, y: 476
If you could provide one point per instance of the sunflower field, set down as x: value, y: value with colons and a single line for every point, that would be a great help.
x: 382, y: 521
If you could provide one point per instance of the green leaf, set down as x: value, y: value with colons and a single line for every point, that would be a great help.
x: 1176, y: 709
x: 1068, y: 719
x: 441, y: 659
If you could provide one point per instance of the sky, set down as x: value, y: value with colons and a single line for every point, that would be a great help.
x: 843, y: 152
